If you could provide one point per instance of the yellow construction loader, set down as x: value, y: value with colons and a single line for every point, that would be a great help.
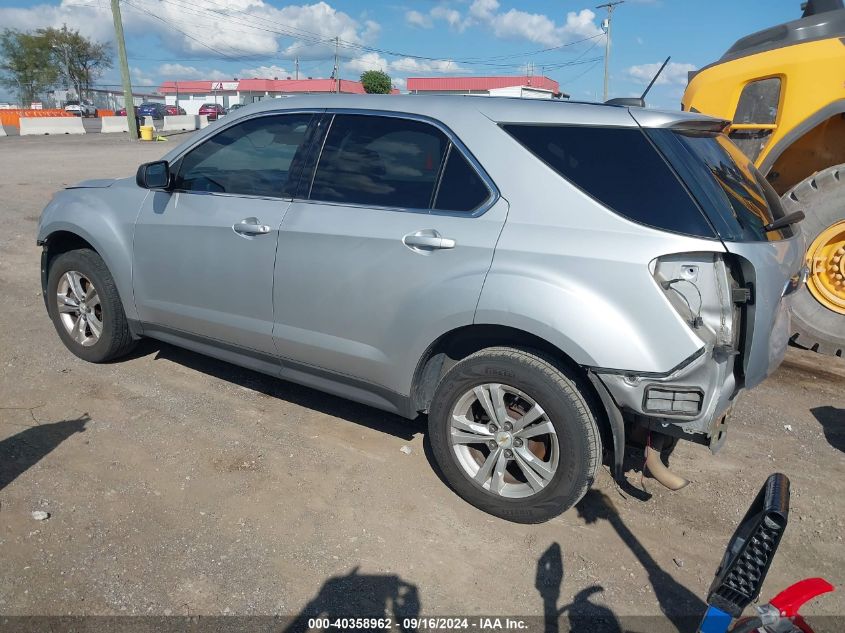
x: 783, y: 88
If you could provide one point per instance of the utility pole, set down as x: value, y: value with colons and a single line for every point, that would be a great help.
x: 610, y: 6
x: 336, y: 70
x: 296, y: 63
x: 128, y: 100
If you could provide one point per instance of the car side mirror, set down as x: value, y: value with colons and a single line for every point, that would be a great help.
x: 155, y: 175
x: 752, y: 548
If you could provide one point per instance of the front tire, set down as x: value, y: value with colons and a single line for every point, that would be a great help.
x: 818, y: 309
x: 513, y: 435
x: 85, y: 307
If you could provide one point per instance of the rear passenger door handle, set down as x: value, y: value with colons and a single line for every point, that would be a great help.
x: 250, y: 226
x: 427, y: 240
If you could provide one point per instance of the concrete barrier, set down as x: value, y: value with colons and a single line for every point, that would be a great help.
x: 2, y: 131
x: 180, y: 123
x: 148, y: 120
x: 114, y: 124
x: 203, y: 120
x: 51, y: 125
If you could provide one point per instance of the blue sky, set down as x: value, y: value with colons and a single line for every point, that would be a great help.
x: 223, y: 39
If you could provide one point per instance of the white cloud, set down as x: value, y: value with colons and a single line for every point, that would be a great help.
x: 452, y: 17
x: 252, y: 27
x: 367, y: 61
x: 539, y: 28
x: 483, y: 9
x: 399, y: 83
x: 440, y: 13
x: 674, y: 74
x: 175, y: 72
x: 264, y: 72
x: 405, y: 65
x: 415, y: 18
x: 409, y: 65
x: 140, y: 77
x: 513, y: 24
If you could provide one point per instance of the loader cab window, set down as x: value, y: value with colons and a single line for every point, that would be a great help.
x: 757, y: 112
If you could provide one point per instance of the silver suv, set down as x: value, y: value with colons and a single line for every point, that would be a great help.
x: 546, y: 280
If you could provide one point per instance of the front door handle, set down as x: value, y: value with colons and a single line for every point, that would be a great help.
x: 250, y: 226
x: 427, y: 239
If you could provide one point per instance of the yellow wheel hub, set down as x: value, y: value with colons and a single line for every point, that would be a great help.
x: 826, y: 259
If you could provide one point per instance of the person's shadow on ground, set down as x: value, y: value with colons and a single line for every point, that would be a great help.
x: 356, y: 596
x: 583, y: 615
x: 22, y: 451
x: 832, y: 420
x: 680, y: 605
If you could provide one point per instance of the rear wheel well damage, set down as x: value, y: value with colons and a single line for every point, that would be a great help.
x: 457, y: 344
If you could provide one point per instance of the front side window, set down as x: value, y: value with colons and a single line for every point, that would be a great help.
x: 621, y: 169
x: 758, y: 106
x: 379, y: 161
x: 253, y: 158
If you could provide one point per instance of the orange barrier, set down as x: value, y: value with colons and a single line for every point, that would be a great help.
x: 102, y: 113
x: 12, y: 117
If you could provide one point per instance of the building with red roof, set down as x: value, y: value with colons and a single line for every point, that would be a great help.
x: 190, y: 95
x: 482, y: 85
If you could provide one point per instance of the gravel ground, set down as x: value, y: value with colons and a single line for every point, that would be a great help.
x: 176, y: 484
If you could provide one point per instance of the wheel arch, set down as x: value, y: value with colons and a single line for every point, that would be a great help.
x: 458, y: 343
x: 61, y: 238
x: 814, y: 144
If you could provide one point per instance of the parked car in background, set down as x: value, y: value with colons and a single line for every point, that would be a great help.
x: 543, y: 279
x: 235, y: 106
x: 82, y: 108
x: 122, y: 111
x: 212, y: 110
x: 174, y: 110
x: 151, y: 109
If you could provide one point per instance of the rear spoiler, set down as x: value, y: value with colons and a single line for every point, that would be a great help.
x: 702, y: 125
x: 692, y: 122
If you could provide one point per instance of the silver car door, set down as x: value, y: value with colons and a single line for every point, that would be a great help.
x: 204, y: 252
x: 367, y: 274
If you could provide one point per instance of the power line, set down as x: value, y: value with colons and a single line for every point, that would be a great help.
x: 315, y: 38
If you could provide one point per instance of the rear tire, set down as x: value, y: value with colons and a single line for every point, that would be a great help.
x: 822, y: 198
x: 94, y: 329
x: 535, y: 472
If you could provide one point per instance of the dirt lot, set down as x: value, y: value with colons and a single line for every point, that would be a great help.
x: 178, y: 484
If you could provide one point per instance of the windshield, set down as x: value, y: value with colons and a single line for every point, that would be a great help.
x: 736, y: 197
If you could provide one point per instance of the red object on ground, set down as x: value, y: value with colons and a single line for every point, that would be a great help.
x: 790, y: 600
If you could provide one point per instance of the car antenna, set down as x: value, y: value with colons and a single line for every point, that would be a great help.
x: 653, y: 79
x: 638, y: 102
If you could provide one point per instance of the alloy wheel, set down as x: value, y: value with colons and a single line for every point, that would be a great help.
x: 79, y: 308
x: 504, y: 441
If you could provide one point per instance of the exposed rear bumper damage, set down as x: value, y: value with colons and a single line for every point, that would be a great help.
x: 694, y: 398
x: 737, y: 305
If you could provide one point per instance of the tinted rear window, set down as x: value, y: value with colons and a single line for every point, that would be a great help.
x: 620, y: 168
x: 738, y: 199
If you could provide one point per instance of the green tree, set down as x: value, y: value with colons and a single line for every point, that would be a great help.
x: 80, y: 61
x: 376, y: 82
x: 26, y: 64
